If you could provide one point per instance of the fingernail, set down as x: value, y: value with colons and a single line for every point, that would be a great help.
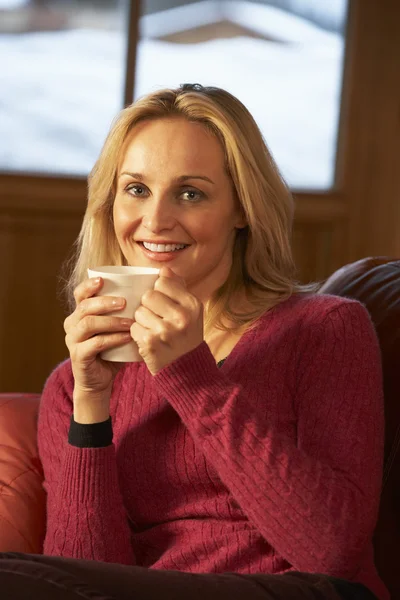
x: 96, y: 281
x: 117, y: 302
x: 127, y: 322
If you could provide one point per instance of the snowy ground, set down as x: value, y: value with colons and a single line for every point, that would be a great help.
x: 60, y: 91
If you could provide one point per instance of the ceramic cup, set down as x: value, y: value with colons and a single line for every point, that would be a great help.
x: 130, y: 283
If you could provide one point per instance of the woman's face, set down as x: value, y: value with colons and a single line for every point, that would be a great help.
x: 172, y: 188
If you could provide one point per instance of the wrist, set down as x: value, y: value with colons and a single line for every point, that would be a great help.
x: 91, y: 408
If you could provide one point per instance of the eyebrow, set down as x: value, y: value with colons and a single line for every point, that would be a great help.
x: 180, y: 179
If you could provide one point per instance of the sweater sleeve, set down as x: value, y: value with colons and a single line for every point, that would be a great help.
x: 86, y: 517
x: 316, y: 499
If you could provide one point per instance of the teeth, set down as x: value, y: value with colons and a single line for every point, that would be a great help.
x: 163, y: 247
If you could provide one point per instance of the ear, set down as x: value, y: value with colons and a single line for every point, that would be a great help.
x: 241, y: 222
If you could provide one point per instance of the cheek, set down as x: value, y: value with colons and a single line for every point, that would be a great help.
x: 215, y: 229
x: 208, y: 225
x: 124, y: 220
x: 118, y: 225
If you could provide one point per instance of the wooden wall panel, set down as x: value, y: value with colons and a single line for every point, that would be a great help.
x: 311, y: 248
x: 33, y: 247
x: 315, y: 247
x: 370, y: 141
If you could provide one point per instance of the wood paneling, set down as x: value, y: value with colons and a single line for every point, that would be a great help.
x: 32, y: 248
x: 312, y: 247
x: 370, y: 150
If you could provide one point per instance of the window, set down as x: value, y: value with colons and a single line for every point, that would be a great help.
x: 62, y: 86
x: 61, y: 82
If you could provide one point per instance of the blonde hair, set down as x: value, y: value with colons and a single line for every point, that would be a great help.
x: 262, y: 262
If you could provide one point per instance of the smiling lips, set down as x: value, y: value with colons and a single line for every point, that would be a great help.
x: 162, y: 252
x: 163, y: 247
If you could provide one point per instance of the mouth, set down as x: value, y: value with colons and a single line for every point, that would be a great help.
x: 171, y: 252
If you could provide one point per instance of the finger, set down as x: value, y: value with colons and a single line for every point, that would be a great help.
x: 151, y: 322
x: 178, y: 294
x: 87, y: 288
x: 161, y: 305
x: 97, y: 305
x: 89, y: 349
x: 147, y: 340
x: 171, y: 316
x: 170, y: 274
x: 173, y: 288
x: 93, y: 325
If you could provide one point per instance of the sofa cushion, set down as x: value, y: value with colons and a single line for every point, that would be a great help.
x: 22, y: 497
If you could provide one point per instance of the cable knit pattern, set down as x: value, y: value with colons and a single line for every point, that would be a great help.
x: 271, y: 463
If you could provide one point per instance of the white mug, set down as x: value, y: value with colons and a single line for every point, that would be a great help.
x: 130, y: 283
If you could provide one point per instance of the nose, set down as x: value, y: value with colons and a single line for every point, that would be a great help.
x: 158, y: 215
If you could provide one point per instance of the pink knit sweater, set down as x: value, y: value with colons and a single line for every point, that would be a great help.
x: 271, y: 463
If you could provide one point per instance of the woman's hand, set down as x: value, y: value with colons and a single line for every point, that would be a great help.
x: 90, y: 330
x: 169, y: 322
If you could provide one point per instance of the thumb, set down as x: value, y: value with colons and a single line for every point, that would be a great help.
x: 167, y: 272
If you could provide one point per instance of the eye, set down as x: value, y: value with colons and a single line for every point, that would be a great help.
x: 193, y: 195
x: 135, y: 189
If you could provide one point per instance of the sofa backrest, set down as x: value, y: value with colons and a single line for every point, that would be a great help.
x: 376, y: 283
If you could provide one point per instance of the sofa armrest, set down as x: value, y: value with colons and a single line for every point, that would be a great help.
x: 22, y: 496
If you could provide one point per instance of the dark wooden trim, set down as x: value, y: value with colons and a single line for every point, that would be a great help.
x: 21, y: 192
x: 344, y: 102
x: 134, y: 9
x: 321, y: 208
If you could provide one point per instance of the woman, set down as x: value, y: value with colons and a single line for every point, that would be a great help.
x: 243, y: 457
